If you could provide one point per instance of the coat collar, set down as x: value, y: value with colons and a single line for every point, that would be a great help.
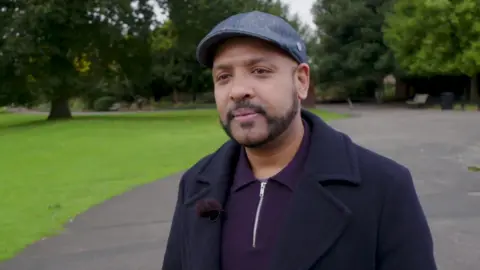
x: 316, y: 218
x: 331, y: 156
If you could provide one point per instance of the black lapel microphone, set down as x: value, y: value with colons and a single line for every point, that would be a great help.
x: 209, y: 208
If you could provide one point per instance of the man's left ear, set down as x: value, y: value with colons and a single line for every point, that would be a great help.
x: 302, y: 80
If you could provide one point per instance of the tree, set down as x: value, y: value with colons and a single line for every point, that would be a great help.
x: 170, y: 62
x: 47, y: 40
x: 9, y: 78
x: 436, y: 37
x: 351, y: 54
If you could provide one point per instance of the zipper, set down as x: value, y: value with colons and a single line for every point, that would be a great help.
x: 257, y: 215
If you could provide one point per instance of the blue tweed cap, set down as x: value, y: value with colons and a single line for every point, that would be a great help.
x: 255, y: 24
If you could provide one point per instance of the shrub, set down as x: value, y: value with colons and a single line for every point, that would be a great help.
x: 104, y: 104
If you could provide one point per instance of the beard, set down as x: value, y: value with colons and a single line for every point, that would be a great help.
x: 276, y: 125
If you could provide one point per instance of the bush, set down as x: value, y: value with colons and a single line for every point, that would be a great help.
x: 77, y: 105
x: 104, y: 104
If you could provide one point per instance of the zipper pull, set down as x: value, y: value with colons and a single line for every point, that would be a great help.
x: 262, y: 189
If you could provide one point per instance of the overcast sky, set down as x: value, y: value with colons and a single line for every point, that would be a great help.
x: 302, y: 8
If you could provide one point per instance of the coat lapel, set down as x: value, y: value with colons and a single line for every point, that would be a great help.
x: 316, y: 219
x: 204, y: 235
x: 315, y: 222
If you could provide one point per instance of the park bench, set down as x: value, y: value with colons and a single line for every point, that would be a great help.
x: 116, y: 106
x: 419, y: 100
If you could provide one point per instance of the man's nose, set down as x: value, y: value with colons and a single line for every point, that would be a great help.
x: 240, y: 91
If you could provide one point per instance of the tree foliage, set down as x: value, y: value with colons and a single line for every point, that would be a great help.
x: 9, y: 77
x: 48, y: 42
x: 435, y: 37
x: 350, y: 53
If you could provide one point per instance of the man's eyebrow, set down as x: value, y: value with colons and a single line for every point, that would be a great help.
x: 221, y: 66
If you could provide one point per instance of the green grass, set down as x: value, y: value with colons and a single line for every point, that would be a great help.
x: 458, y: 107
x: 52, y: 171
x: 474, y: 168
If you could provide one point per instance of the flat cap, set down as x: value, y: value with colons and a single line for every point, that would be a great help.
x: 255, y: 24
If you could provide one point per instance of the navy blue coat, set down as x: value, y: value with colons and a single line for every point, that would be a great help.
x: 353, y: 210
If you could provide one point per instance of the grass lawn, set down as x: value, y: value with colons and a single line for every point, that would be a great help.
x: 458, y: 107
x: 50, y: 172
x: 474, y: 168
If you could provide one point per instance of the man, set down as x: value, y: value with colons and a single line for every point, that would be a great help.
x: 287, y: 191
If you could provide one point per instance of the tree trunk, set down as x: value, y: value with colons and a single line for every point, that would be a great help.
x: 464, y: 98
x: 174, y: 96
x: 59, y: 109
x: 474, y: 89
x: 401, y: 90
x: 194, y: 82
x: 194, y: 95
x: 194, y: 92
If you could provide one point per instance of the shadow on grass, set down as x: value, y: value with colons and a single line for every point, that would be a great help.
x: 177, y: 116
x: 197, y: 116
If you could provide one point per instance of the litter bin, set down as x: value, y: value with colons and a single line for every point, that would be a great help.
x: 447, y: 101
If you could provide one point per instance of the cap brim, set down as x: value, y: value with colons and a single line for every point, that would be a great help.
x: 207, y: 47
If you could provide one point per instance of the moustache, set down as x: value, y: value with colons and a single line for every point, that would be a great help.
x: 245, y: 105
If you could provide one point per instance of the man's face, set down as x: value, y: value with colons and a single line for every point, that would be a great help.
x: 258, y: 89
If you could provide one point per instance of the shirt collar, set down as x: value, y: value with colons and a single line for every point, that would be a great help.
x: 288, y: 176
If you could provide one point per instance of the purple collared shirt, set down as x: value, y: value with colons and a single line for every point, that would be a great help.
x: 252, y: 225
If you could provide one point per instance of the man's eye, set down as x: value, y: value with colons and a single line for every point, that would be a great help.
x: 261, y: 71
x: 222, y: 77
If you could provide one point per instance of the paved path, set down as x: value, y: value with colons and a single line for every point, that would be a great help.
x: 437, y: 147
x: 129, y: 232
